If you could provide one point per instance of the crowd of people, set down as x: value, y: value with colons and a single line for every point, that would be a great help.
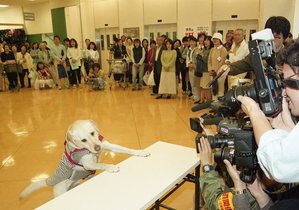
x: 190, y: 64
x: 276, y: 184
x: 44, y: 68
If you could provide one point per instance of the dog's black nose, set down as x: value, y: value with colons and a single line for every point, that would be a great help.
x: 97, y: 148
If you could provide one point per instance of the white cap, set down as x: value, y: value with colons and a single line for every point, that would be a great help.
x: 217, y: 36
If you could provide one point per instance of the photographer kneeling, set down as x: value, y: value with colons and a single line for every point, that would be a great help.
x: 278, y: 148
x: 218, y: 195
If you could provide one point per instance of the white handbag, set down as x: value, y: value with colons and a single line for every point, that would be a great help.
x: 151, y: 80
x: 145, y: 78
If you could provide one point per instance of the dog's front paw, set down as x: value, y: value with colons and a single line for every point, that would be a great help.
x: 142, y: 153
x: 112, y: 168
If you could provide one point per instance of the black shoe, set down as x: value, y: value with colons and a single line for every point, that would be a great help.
x: 168, y: 97
x: 159, y: 97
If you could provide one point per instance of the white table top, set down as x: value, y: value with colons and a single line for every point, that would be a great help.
x: 138, y: 184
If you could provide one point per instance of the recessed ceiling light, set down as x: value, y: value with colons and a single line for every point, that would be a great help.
x: 3, y: 5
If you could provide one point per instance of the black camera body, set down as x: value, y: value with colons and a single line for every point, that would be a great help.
x: 236, y: 143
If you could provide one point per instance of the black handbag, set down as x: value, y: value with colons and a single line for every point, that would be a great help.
x: 199, y: 66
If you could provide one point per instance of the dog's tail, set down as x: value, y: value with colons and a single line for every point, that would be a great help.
x: 31, y: 188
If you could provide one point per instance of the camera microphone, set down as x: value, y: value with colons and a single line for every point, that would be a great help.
x: 201, y: 106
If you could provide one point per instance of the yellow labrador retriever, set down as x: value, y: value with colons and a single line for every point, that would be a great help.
x: 80, y: 159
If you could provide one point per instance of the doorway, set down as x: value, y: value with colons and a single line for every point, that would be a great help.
x: 152, y: 31
x: 104, y: 40
x: 250, y: 26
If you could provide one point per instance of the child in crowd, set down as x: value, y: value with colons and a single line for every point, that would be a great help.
x: 44, y: 79
x: 96, y: 78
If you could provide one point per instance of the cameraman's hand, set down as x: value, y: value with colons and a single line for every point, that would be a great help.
x: 258, y: 193
x: 249, y: 106
x: 205, y: 151
x: 235, y: 175
x: 284, y: 120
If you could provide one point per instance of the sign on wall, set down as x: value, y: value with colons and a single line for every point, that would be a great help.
x: 29, y: 16
x: 195, y: 30
x: 132, y: 32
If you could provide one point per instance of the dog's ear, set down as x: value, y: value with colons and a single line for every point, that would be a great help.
x: 94, y: 125
x: 70, y: 137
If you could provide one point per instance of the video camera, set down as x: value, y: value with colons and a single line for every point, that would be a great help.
x: 235, y: 137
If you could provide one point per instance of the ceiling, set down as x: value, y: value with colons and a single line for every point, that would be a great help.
x: 21, y: 2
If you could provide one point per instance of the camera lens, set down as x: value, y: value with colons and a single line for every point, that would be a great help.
x: 225, y: 153
x: 219, y: 141
x: 231, y: 97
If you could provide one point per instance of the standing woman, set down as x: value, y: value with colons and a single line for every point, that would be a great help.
x: 150, y: 55
x: 74, y: 55
x: 167, y: 79
x: 138, y: 57
x: 25, y: 60
x: 92, y: 56
x: 216, y: 60
x: 206, y: 94
x: 34, y: 53
x: 176, y: 46
x: 8, y: 59
x: 129, y: 47
x: 145, y: 47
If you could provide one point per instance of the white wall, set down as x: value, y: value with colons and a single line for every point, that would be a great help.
x: 87, y: 18
x: 245, y: 9
x: 43, y: 19
x: 11, y: 15
x: 63, y: 3
x: 129, y: 17
x: 73, y: 23
x: 106, y: 12
x: 270, y: 8
x: 193, y: 13
x: 295, y: 21
x: 166, y: 10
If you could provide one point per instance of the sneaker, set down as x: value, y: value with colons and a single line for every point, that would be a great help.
x: 74, y: 86
x: 153, y: 94
x: 59, y: 87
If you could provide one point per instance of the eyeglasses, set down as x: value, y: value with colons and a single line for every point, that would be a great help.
x: 290, y: 82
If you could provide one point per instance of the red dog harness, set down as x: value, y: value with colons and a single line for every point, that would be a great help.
x: 69, y: 156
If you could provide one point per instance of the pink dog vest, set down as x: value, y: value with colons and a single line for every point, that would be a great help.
x: 69, y: 156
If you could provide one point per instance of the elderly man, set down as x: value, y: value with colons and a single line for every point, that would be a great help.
x: 238, y: 52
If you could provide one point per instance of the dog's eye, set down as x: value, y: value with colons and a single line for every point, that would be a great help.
x: 92, y: 133
x: 84, y: 140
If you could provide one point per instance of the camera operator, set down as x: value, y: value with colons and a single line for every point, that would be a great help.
x: 278, y: 148
x: 280, y: 27
x: 218, y: 195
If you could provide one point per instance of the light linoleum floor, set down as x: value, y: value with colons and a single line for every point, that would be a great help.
x: 34, y: 123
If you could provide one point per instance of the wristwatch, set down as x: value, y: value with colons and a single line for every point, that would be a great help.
x: 207, y: 168
x: 239, y: 192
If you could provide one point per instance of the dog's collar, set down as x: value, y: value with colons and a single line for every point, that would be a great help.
x: 69, y: 156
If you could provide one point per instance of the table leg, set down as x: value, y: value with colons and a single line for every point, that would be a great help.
x: 197, y: 188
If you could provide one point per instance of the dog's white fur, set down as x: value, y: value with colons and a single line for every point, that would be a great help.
x: 84, y: 134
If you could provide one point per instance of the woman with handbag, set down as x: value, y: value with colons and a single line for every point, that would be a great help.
x: 9, y: 62
x: 74, y: 55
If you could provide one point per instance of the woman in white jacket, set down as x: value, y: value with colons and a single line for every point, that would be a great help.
x: 91, y: 56
x: 26, y: 62
x: 74, y: 56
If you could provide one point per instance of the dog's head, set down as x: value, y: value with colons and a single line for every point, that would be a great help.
x: 84, y: 134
